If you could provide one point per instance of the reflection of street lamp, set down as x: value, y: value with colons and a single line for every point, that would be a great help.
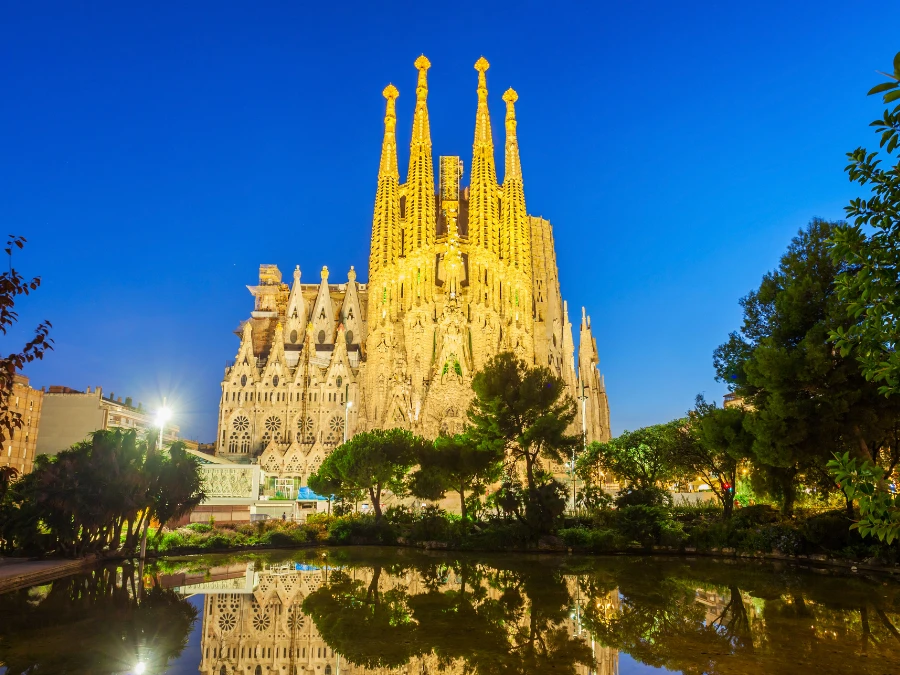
x: 346, y: 415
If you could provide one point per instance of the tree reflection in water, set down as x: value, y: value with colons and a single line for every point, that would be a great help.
x: 98, y: 622
x: 401, y: 611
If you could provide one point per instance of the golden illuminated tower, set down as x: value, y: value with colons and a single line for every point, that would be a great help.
x: 386, y: 221
x: 456, y: 275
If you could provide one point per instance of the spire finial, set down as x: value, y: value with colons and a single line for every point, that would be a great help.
x: 422, y: 64
x: 481, y: 65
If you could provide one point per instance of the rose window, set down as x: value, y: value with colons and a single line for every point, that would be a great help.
x: 273, y: 424
x: 336, y: 423
x: 241, y: 423
x: 261, y: 622
x: 227, y: 621
x: 295, y: 620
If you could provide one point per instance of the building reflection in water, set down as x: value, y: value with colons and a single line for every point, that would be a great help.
x: 253, y: 621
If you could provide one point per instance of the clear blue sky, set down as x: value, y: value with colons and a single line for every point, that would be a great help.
x: 155, y: 157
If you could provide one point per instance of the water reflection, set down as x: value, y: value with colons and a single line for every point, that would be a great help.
x: 390, y: 611
x: 101, y: 622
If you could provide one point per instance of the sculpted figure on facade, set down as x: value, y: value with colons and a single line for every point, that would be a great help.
x: 456, y: 274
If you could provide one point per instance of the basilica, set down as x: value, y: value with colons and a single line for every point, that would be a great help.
x: 456, y: 275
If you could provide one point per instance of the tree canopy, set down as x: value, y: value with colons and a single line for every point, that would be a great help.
x: 807, y: 400
x: 869, y: 250
x: 456, y: 463
x: 371, y: 461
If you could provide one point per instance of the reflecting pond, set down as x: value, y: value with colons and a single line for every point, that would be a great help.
x: 361, y: 610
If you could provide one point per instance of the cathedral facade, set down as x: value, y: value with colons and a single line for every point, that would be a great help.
x: 457, y: 274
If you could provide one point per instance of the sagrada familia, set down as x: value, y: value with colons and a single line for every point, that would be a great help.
x: 456, y: 275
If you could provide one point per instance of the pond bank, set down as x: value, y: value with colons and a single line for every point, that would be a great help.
x: 21, y: 573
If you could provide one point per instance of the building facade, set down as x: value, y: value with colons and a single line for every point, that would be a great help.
x: 457, y: 274
x: 21, y: 446
x: 69, y: 416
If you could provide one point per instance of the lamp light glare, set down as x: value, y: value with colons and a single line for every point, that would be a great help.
x: 140, y: 668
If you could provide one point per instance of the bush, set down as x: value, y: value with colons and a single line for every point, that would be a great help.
x: 597, y: 541
x: 431, y: 524
x: 362, y: 529
x: 830, y: 531
x: 758, y: 514
x: 643, y: 524
x: 649, y: 496
x: 198, y: 527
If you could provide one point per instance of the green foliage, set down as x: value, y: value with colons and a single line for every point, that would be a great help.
x: 805, y: 401
x: 460, y: 463
x: 646, y: 525
x: 361, y: 529
x: 869, y: 251
x: 98, y: 495
x: 369, y: 463
x: 879, y: 508
x: 643, y: 496
x: 594, y: 540
x: 525, y: 412
x: 642, y: 458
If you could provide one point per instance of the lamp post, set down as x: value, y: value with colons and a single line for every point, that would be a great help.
x: 163, y: 415
x: 583, y: 398
x: 346, y: 416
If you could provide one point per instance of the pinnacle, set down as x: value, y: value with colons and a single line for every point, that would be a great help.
x: 390, y: 92
x: 481, y: 65
x: 510, y: 95
x: 422, y: 63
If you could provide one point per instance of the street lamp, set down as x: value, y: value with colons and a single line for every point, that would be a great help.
x: 346, y: 416
x: 163, y: 415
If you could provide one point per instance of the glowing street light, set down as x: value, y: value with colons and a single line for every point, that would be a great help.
x: 163, y: 415
x: 140, y: 668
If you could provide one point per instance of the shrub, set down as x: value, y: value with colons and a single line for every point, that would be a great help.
x: 597, y: 541
x: 830, y: 531
x: 649, y: 496
x: 758, y: 514
x: 642, y: 523
x: 198, y: 527
x: 431, y: 524
x: 362, y: 529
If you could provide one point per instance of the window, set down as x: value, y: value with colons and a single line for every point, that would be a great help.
x: 349, y: 337
x: 273, y: 425
x: 322, y: 335
x: 241, y: 423
x: 275, y: 381
x: 243, y: 380
x: 340, y: 381
x: 293, y: 337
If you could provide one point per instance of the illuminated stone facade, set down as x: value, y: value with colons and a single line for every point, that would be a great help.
x: 456, y: 275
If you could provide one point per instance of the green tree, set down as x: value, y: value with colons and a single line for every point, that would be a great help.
x: 527, y: 412
x: 371, y: 461
x: 808, y: 400
x: 456, y: 463
x: 83, y: 500
x: 869, y: 251
x: 642, y: 458
x: 713, y: 446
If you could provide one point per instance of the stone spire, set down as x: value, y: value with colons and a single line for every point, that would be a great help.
x: 420, y: 204
x: 483, y: 186
x: 386, y: 220
x: 515, y: 230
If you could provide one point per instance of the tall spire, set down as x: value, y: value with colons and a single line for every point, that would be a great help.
x: 420, y: 205
x: 515, y: 232
x: 483, y: 189
x: 386, y: 220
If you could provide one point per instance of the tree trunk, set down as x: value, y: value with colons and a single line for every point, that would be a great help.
x: 462, y: 503
x: 376, y: 501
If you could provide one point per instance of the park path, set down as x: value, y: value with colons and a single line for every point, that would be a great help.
x: 20, y: 573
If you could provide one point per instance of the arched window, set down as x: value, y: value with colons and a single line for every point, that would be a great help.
x: 233, y: 442
x: 258, y: 670
x: 222, y: 670
x: 327, y: 670
x: 245, y: 442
